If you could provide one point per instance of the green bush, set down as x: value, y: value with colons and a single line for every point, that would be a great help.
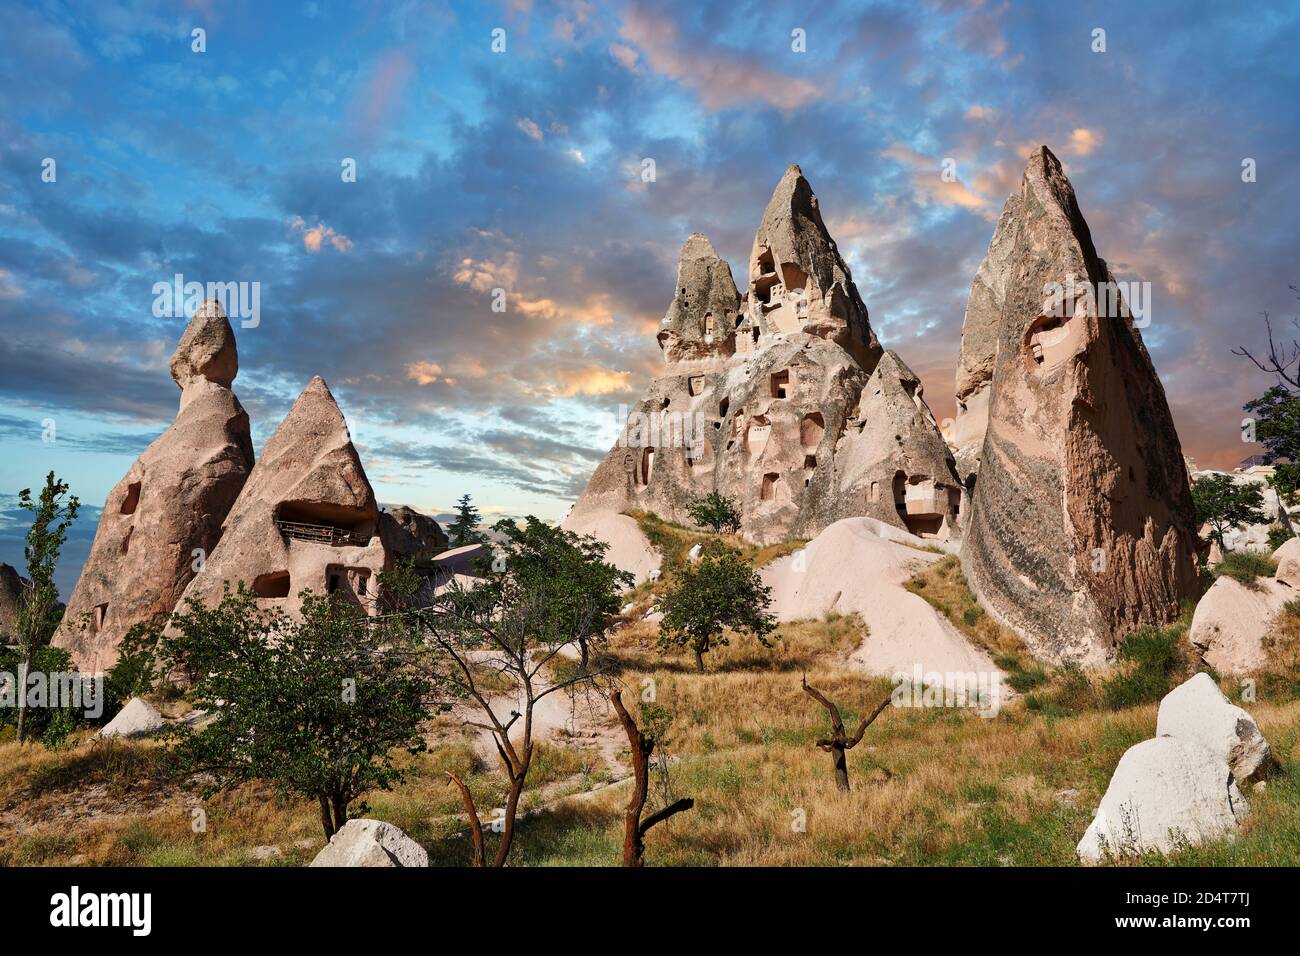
x: 1279, y: 536
x: 52, y: 725
x: 1149, y: 659
x: 1245, y: 567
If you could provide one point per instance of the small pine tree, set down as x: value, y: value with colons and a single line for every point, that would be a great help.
x: 464, y: 530
x: 38, y: 612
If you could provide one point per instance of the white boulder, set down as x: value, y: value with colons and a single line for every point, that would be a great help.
x: 1165, y: 794
x: 1198, y: 712
x: 1231, y: 621
x: 1288, y: 563
x: 371, y: 843
x: 136, y: 719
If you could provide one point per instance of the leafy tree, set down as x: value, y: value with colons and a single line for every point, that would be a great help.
x: 464, y: 530
x: 501, y: 647
x: 568, y: 578
x: 39, y: 614
x: 706, y: 597
x: 715, y: 511
x: 1225, y: 504
x: 314, y: 705
x: 1277, y: 428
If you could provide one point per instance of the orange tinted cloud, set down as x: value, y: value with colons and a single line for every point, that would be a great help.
x: 315, y: 237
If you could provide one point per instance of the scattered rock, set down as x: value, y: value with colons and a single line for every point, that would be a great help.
x: 1165, y: 794
x: 137, y: 719
x: 170, y: 504
x: 695, y: 552
x: 264, y: 853
x: 1082, y: 527
x: 1232, y: 620
x: 371, y: 843
x: 1288, y: 564
x: 1198, y: 712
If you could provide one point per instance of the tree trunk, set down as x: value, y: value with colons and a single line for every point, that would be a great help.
x: 512, y: 807
x: 841, y: 766
x: 478, y: 859
x: 326, y: 820
x: 699, y: 659
x: 341, y: 802
x: 585, y: 652
x: 23, y: 671
x: 634, y: 830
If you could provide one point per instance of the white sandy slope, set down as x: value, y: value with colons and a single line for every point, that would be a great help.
x: 629, y: 549
x: 848, y: 568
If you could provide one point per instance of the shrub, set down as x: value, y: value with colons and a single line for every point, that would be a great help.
x: 1149, y: 659
x: 1245, y: 567
x: 1279, y: 536
x: 715, y: 511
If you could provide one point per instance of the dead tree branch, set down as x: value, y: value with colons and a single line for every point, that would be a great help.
x: 634, y: 828
x: 840, y: 742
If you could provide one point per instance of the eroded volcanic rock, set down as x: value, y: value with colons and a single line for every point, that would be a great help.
x: 171, y: 502
x: 307, y: 517
x: 1081, y: 527
x: 780, y: 397
x: 979, y: 342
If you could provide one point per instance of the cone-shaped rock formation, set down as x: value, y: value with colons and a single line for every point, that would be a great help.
x: 307, y: 517
x: 1081, y: 527
x: 781, y: 398
x: 170, y: 504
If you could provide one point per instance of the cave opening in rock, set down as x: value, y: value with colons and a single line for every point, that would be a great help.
x: 98, y: 617
x: 132, y: 499
x: 780, y: 383
x: 274, y: 584
x: 811, y: 430
x: 767, y: 490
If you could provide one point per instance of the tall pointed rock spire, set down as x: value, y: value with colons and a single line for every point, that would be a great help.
x: 169, y: 507
x: 1082, y: 527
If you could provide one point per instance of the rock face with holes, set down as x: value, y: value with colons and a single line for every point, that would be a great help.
x: 170, y: 505
x: 780, y: 397
x: 307, y: 517
x: 1082, y: 527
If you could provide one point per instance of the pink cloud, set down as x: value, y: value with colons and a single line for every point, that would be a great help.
x: 720, y: 78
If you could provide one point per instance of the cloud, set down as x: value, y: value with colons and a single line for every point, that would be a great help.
x: 718, y: 76
x: 315, y: 237
x: 530, y: 129
x: 1085, y: 142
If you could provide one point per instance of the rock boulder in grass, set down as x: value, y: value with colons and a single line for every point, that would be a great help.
x: 1231, y: 621
x: 170, y: 505
x: 138, y: 718
x: 371, y: 843
x: 1198, y: 712
x: 779, y: 397
x: 1287, y: 557
x: 1081, y: 528
x: 1165, y: 794
x: 306, y: 519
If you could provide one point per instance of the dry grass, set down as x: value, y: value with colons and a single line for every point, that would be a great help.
x: 931, y: 786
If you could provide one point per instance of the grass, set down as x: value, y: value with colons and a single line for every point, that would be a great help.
x: 930, y: 786
x: 1246, y: 567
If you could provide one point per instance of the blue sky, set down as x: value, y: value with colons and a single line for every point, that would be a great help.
x: 521, y: 170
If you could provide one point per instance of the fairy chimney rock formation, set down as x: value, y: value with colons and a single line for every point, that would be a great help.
x: 169, y: 508
x: 307, y: 517
x: 979, y: 343
x: 1082, y: 527
x: 779, y: 397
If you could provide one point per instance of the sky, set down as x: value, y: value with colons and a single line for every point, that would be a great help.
x: 503, y: 147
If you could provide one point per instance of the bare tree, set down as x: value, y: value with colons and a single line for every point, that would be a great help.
x: 841, y: 742
x: 1282, y: 359
x: 634, y: 828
